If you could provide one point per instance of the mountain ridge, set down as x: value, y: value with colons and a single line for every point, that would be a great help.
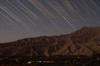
x: 85, y: 41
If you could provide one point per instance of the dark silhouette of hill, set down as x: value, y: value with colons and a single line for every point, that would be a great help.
x: 85, y: 41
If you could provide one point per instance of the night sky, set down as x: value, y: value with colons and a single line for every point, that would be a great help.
x: 32, y: 18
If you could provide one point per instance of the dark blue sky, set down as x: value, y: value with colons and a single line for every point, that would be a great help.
x: 31, y: 18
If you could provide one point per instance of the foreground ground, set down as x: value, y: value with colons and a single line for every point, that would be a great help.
x: 51, y: 61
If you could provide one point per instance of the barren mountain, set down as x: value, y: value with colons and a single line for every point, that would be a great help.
x: 85, y: 41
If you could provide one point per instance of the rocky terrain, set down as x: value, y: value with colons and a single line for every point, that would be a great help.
x: 85, y: 41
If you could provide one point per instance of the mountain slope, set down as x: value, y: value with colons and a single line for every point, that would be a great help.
x: 85, y: 41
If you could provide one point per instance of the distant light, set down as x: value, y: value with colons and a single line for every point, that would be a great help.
x: 29, y: 62
x: 48, y: 61
x: 98, y: 58
x: 44, y: 61
x: 40, y: 61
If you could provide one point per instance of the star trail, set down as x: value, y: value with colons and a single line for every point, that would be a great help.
x: 32, y: 18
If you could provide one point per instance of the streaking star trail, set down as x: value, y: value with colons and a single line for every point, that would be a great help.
x: 32, y: 18
x: 67, y: 15
x: 21, y: 12
x: 33, y: 14
x: 9, y: 19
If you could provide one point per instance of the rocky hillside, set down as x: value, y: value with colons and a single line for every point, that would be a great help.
x: 85, y: 41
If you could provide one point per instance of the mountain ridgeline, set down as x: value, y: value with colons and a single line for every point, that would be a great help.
x: 85, y: 41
